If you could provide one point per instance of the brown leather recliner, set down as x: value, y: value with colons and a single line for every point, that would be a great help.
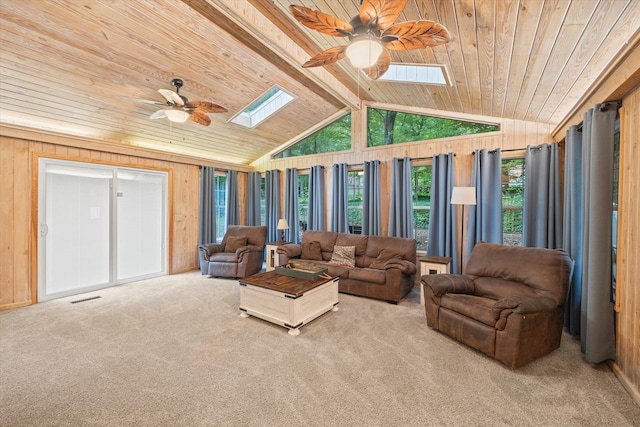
x: 240, y: 254
x: 509, y: 304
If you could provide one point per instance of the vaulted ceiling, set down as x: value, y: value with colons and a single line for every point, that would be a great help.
x: 82, y: 67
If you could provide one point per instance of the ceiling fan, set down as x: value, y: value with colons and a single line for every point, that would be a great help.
x: 370, y: 34
x: 178, y: 108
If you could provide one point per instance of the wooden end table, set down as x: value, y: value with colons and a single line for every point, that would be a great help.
x: 287, y: 301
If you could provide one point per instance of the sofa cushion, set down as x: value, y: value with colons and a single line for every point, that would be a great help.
x: 327, y: 240
x: 384, y: 256
x: 224, y: 257
x: 311, y: 250
x: 358, y: 241
x: 368, y: 275
x: 344, y: 255
x: 234, y: 243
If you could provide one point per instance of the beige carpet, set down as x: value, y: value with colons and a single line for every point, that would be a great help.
x: 173, y: 351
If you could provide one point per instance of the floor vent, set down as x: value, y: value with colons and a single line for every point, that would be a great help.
x: 83, y: 300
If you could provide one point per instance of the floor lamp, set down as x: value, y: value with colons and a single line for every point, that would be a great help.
x: 463, y: 196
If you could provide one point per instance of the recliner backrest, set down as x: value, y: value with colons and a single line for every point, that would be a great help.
x: 545, y: 271
x: 256, y: 235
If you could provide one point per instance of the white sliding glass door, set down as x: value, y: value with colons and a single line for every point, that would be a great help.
x: 99, y: 226
x: 140, y: 220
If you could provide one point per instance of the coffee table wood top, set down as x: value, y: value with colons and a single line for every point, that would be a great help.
x: 281, y: 283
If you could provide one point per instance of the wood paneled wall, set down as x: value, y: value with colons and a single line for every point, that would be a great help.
x: 628, y: 282
x: 18, y: 210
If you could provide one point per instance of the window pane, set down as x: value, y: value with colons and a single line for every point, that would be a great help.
x: 354, y: 193
x: 386, y: 127
x: 334, y: 137
x: 303, y: 202
x: 421, y: 193
x: 221, y: 206
x: 513, y: 175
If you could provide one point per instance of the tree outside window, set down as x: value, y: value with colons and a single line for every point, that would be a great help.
x: 513, y: 175
x: 333, y: 137
x: 354, y: 194
x: 421, y: 193
x: 385, y: 127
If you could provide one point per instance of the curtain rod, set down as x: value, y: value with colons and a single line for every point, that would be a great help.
x: 503, y: 151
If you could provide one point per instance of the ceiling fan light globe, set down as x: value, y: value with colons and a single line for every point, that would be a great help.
x: 364, y: 53
x: 177, y: 116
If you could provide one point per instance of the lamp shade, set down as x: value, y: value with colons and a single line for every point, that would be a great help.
x: 178, y: 116
x: 463, y: 196
x: 364, y: 53
x: 282, y: 224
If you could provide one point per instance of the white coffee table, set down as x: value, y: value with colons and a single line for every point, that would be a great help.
x: 287, y: 301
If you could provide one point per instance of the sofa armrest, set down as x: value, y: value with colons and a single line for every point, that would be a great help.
x: 524, y: 304
x: 291, y: 250
x: 441, y: 284
x: 209, y: 249
x: 406, y: 267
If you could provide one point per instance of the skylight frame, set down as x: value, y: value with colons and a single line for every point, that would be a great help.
x: 416, y: 74
x: 263, y: 107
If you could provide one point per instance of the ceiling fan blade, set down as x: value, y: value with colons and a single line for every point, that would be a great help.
x: 206, y: 107
x: 327, y: 57
x: 415, y: 35
x: 171, y: 97
x: 148, y: 101
x: 158, y: 115
x: 200, y: 118
x: 379, y: 14
x: 322, y: 22
x: 380, y: 67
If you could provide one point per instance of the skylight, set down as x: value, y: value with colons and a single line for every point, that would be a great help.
x: 265, y: 106
x: 417, y: 73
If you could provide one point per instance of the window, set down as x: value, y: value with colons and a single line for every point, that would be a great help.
x: 303, y: 203
x: 421, y: 194
x: 354, y: 193
x: 333, y: 137
x: 220, y: 194
x: 417, y: 73
x: 513, y: 172
x: 387, y: 127
x: 265, y: 106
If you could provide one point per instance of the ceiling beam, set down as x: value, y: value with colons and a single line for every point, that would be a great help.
x: 250, y: 27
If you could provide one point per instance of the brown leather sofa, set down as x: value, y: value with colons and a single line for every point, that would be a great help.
x: 509, y: 304
x: 384, y: 267
x: 240, y: 254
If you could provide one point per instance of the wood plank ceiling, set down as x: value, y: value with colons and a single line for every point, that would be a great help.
x: 80, y: 67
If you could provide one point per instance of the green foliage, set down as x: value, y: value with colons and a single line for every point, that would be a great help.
x: 333, y: 137
x: 387, y: 127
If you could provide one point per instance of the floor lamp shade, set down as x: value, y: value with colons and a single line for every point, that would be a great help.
x: 463, y: 196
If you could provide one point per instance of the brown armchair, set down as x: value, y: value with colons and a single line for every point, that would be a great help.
x: 509, y: 304
x: 240, y: 254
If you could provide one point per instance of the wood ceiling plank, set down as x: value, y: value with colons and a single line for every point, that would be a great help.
x: 506, y: 21
x: 605, y: 17
x: 485, y: 15
x: 466, y: 17
x: 553, y: 14
x: 528, y: 17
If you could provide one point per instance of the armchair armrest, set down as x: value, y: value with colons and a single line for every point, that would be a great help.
x: 209, y: 249
x: 441, y: 284
x: 524, y: 304
x: 406, y: 267
x: 247, y: 249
